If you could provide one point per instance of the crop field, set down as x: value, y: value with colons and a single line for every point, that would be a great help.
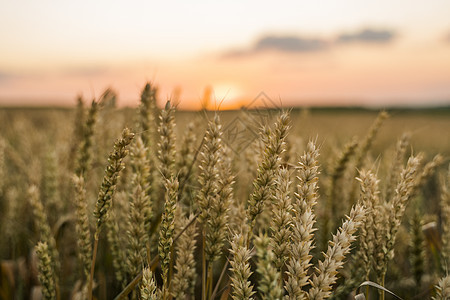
x: 98, y: 202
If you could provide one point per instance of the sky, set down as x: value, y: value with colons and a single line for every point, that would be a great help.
x: 312, y: 53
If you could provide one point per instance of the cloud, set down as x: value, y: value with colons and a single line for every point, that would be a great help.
x: 236, y: 53
x: 85, y: 71
x: 289, y: 44
x: 367, y: 36
x: 447, y: 37
x: 299, y: 44
x: 286, y: 43
x: 6, y: 75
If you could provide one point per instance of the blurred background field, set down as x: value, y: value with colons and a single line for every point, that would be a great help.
x: 333, y: 126
x: 39, y: 147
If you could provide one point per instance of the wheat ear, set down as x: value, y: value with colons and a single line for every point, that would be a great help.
x: 443, y: 289
x: 186, y: 171
x: 396, y: 165
x: 240, y: 268
x: 445, y: 207
x: 217, y: 222
x: 334, y: 200
x: 148, y: 288
x: 370, y: 199
x: 184, y: 279
x: 41, y: 222
x: 281, y: 222
x: 389, y: 218
x: 303, y: 223
x: 82, y: 227
x: 369, y: 138
x: 49, y: 186
x: 270, y: 160
x: 166, y: 145
x: 147, y: 110
x: 166, y: 233
x: 140, y: 209
x: 269, y: 285
x: 338, y: 248
x: 107, y: 190
x: 84, y: 153
x: 46, y: 273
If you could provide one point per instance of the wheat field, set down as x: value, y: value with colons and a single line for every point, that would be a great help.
x: 98, y: 202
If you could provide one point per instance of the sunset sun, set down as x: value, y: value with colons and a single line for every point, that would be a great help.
x: 223, y: 96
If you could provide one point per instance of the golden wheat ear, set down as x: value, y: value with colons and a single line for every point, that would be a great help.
x: 274, y: 143
x: 304, y: 219
x: 166, y: 233
x: 242, y: 289
x: 338, y: 248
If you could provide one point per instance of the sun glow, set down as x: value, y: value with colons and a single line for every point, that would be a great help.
x: 223, y: 96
